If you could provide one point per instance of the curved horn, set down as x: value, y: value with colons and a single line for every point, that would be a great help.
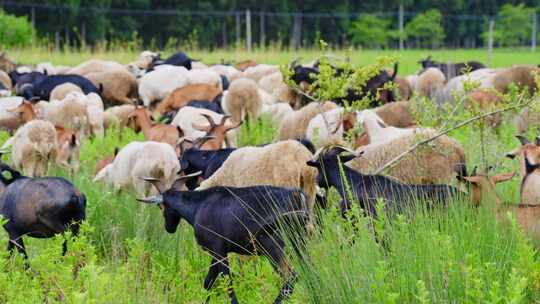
x: 156, y: 182
x: 224, y: 118
x: 179, y: 182
x: 201, y: 140
x: 156, y: 199
x: 210, y: 120
x: 523, y: 140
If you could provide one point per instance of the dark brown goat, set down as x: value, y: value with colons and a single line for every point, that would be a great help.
x: 216, y: 132
x: 160, y: 132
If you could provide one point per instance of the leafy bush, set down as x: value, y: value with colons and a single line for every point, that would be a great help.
x: 513, y: 26
x: 15, y: 31
x: 370, y: 32
x: 426, y: 29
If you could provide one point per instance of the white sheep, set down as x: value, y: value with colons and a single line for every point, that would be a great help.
x: 188, y: 116
x: 277, y: 112
x: 274, y: 85
x: 242, y: 100
x: 94, y: 110
x: 259, y: 71
x: 71, y: 115
x: 378, y: 131
x: 295, y: 123
x: 281, y: 164
x: 61, y: 91
x: 95, y: 65
x: 326, y: 128
x: 156, y: 85
x: 205, y: 76
x: 34, y: 145
x: 430, y: 82
x: 226, y: 70
x: 138, y: 160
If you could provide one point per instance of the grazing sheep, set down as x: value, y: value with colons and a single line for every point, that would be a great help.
x: 404, y: 89
x: 259, y: 71
x: 180, y: 97
x: 245, y: 221
x: 430, y: 83
x: 69, y: 147
x: 95, y: 66
x: 434, y: 163
x: 138, y: 160
x: 366, y: 190
x: 39, y: 208
x: 119, y: 86
x: 411, y: 80
x: 277, y: 112
x: 118, y: 115
x: 205, y: 104
x: 34, y: 146
x: 145, y: 60
x: 295, y: 124
x: 164, y: 133
x: 273, y: 84
x: 455, y: 86
x: 72, y: 115
x: 189, y: 116
x: 242, y: 101
x: 521, y: 76
x: 5, y: 80
x: 529, y: 157
x: 226, y: 70
x: 156, y: 85
x: 243, y: 65
x: 329, y: 127
x: 486, y: 101
x: 378, y: 131
x: 282, y: 164
x: 205, y: 76
x: 60, y: 91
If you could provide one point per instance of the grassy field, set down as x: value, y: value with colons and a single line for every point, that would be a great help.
x: 124, y: 255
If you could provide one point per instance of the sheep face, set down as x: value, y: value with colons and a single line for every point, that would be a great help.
x: 68, y: 150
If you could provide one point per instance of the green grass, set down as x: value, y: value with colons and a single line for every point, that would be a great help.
x: 124, y: 254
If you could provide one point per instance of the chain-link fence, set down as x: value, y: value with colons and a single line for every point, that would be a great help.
x: 217, y: 29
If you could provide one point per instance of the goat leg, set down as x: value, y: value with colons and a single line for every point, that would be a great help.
x: 16, y: 241
x: 224, y: 266
x: 211, y: 277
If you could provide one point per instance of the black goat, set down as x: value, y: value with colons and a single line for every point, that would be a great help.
x: 20, y: 79
x: 205, y: 104
x: 39, y: 207
x: 179, y: 59
x: 227, y: 220
x: 451, y: 70
x: 366, y: 189
x: 41, y: 89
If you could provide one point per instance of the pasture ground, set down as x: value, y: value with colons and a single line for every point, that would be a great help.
x: 124, y: 255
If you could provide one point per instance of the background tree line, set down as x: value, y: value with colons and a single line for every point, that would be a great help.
x: 211, y: 24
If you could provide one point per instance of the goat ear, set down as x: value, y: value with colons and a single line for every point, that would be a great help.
x: 73, y: 141
x: 502, y: 177
x: 523, y: 140
x: 313, y: 163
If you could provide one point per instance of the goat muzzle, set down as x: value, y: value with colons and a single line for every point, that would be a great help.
x: 156, y: 199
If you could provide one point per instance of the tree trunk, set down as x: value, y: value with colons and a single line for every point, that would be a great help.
x: 296, y: 36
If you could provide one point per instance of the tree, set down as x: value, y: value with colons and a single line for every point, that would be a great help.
x: 426, y: 29
x: 370, y: 32
x: 513, y: 26
x: 15, y: 31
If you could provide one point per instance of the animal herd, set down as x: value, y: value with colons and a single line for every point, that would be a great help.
x: 245, y: 200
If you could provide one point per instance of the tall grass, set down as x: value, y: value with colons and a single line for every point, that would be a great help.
x: 124, y: 255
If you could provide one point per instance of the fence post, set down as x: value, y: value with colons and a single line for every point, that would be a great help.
x: 296, y: 36
x: 490, y: 40
x: 401, y: 13
x: 33, y: 16
x: 248, y: 30
x: 262, y: 31
x: 57, y: 41
x: 534, y: 29
x: 237, y: 29
x: 83, y: 34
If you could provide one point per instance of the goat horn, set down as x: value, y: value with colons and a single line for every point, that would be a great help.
x: 523, y: 139
x: 223, y: 119
x: 156, y: 199
x: 316, y: 154
x: 190, y: 175
x: 201, y: 140
x: 160, y: 186
x: 210, y: 120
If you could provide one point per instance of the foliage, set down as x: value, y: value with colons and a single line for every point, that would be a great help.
x: 15, y: 31
x: 426, y: 29
x: 370, y: 32
x: 513, y: 25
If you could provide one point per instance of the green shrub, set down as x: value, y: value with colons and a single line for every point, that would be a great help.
x: 15, y: 31
x: 513, y: 26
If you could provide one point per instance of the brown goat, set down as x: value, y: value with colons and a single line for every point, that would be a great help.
x: 25, y: 111
x: 67, y: 154
x: 485, y: 100
x: 529, y: 154
x: 182, y: 96
x: 215, y: 132
x: 164, y: 133
x: 102, y: 163
x: 483, y: 191
x: 243, y: 65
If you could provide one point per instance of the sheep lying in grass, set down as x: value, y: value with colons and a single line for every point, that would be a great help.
x: 138, y: 160
x: 434, y: 163
x: 295, y: 124
x: 61, y: 91
x: 242, y: 101
x: 119, y: 86
x: 156, y: 85
x: 33, y: 147
x: 282, y: 164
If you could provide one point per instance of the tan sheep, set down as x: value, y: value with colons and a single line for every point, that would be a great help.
x: 34, y: 146
x: 242, y: 100
x: 295, y: 124
x: 522, y: 76
x: 434, y: 163
x: 283, y: 164
x: 430, y: 82
x: 67, y: 113
x: 119, y: 86
x: 61, y: 91
x: 182, y: 96
x: 119, y: 116
x: 274, y: 85
x: 277, y: 112
x: 95, y: 65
